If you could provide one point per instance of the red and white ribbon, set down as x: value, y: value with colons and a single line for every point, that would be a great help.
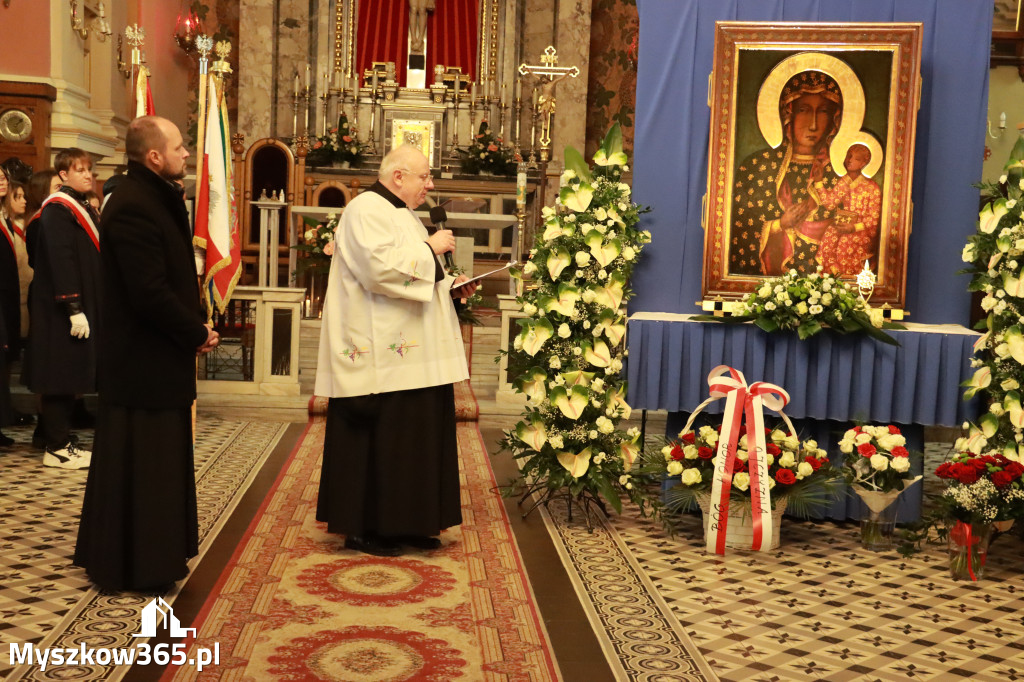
x: 741, y: 400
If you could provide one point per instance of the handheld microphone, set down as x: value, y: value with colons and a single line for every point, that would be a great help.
x: 438, y: 216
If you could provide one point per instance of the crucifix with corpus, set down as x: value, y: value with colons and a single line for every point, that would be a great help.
x: 547, y: 74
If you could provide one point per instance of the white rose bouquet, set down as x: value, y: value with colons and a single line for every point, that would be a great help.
x: 876, y: 458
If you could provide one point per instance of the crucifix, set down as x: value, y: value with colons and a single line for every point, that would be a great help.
x: 547, y: 74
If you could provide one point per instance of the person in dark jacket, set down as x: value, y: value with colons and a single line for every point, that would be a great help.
x: 139, y: 518
x: 60, y: 360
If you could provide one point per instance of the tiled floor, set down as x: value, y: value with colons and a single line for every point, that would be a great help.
x: 45, y: 600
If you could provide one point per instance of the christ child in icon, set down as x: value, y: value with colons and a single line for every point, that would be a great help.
x: 852, y: 237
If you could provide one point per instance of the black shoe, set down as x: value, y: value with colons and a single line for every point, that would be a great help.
x: 373, y: 545
x: 419, y: 541
x: 5, y: 441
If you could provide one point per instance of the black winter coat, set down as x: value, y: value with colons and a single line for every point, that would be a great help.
x: 152, y: 315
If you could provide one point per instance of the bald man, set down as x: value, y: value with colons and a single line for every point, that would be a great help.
x: 390, y: 352
x: 139, y: 519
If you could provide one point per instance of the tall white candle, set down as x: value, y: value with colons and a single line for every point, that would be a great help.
x: 307, y: 77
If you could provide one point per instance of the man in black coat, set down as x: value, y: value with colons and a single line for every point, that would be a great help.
x: 139, y: 519
x: 64, y: 304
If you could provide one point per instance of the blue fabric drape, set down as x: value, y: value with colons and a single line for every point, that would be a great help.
x: 836, y: 377
x: 672, y: 121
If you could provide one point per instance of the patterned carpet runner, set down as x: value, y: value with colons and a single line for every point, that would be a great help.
x: 293, y: 604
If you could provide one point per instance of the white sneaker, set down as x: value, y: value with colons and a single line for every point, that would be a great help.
x: 68, y: 457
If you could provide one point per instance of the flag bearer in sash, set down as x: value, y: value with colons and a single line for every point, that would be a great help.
x: 390, y: 352
x: 64, y: 308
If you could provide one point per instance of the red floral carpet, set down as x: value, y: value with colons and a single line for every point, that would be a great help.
x: 293, y: 604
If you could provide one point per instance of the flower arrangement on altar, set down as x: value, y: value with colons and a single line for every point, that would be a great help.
x: 996, y: 257
x: 488, y: 154
x: 877, y: 460
x: 809, y: 303
x: 338, y: 145
x: 317, y: 246
x: 799, y: 472
x: 567, y: 357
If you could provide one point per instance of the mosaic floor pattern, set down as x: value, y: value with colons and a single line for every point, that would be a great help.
x: 46, y: 601
x: 818, y: 608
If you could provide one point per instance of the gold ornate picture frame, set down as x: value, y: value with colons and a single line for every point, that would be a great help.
x: 421, y: 126
x: 811, y: 153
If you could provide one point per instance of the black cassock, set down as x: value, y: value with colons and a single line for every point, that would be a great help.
x: 139, y: 522
x: 391, y: 464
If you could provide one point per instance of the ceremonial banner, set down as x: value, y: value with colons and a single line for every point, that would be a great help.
x: 216, y: 228
x: 143, y: 95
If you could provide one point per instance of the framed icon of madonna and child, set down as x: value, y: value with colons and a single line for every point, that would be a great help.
x: 811, y: 153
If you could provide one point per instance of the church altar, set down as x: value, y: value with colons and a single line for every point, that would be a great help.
x: 832, y: 379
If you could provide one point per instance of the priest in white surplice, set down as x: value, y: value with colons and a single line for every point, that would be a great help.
x: 390, y: 352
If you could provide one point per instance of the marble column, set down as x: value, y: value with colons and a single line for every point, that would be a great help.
x: 255, y: 69
x: 573, y: 44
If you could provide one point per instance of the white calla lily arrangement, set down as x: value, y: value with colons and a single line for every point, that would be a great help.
x: 995, y: 254
x: 568, y: 355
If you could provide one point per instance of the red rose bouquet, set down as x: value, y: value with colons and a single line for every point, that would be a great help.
x: 981, y: 490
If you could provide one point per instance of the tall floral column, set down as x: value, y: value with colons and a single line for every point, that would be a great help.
x: 567, y: 357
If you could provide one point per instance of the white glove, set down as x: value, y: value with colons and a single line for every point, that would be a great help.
x: 79, y: 326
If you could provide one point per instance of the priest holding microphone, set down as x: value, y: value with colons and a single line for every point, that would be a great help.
x: 390, y: 352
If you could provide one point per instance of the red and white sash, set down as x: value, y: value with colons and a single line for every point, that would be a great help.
x: 81, y: 215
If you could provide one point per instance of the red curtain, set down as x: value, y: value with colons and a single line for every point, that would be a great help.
x: 383, y: 35
x: 451, y: 36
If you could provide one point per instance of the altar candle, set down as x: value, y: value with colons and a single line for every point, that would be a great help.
x: 516, y: 91
x: 307, y: 77
x: 472, y: 92
x: 374, y: 83
x: 521, y: 187
x: 327, y: 84
x: 296, y: 84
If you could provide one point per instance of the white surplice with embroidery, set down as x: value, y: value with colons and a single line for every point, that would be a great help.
x: 387, y: 326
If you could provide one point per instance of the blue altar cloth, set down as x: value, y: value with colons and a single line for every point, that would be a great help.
x: 832, y: 379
